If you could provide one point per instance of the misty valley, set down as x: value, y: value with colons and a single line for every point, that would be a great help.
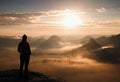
x: 68, y: 58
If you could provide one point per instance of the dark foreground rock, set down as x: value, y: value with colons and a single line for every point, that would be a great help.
x: 12, y: 76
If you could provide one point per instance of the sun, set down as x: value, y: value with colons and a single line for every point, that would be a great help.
x: 71, y: 19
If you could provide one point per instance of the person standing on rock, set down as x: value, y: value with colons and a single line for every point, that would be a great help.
x: 25, y: 52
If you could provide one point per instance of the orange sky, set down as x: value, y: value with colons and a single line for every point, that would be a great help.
x: 80, y: 17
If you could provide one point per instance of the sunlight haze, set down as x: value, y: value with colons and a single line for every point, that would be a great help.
x: 43, y: 17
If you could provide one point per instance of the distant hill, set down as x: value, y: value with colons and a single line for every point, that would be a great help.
x: 93, y: 49
x: 52, y: 42
x: 103, y: 40
x: 85, y: 39
x: 38, y: 42
x: 112, y: 40
x: 91, y: 45
x: 8, y: 42
x: 108, y: 55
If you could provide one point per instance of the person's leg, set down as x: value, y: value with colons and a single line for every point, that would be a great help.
x: 21, y: 66
x: 26, y: 66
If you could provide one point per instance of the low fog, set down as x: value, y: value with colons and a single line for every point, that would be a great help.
x: 79, y: 60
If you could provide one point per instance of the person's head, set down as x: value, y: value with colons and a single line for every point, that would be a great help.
x: 24, y: 37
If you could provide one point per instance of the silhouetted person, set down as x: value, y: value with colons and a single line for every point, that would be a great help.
x: 25, y: 52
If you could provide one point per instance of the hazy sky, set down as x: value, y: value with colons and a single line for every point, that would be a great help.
x: 41, y: 17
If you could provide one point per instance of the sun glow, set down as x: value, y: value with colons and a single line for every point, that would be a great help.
x: 71, y: 19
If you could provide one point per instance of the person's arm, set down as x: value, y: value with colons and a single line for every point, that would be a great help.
x: 29, y: 49
x: 19, y: 47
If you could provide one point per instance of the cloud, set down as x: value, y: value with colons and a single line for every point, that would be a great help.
x: 18, y: 18
x: 33, y: 18
x: 101, y: 24
x: 101, y: 10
